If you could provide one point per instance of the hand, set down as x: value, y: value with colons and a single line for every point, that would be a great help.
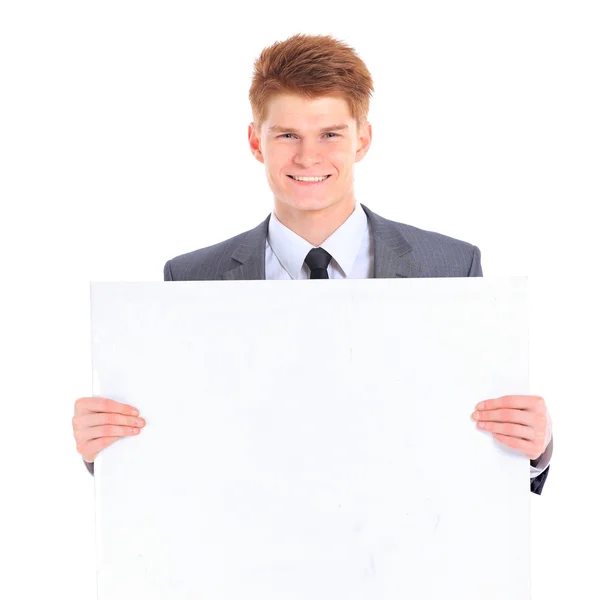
x: 520, y: 422
x: 99, y: 422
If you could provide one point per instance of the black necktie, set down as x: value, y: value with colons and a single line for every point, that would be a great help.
x: 318, y: 260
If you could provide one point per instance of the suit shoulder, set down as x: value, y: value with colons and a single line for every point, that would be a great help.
x: 440, y: 255
x: 204, y: 263
x: 418, y: 236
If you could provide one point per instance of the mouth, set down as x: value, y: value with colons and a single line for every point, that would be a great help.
x: 309, y: 183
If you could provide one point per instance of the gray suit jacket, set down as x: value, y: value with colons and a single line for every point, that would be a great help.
x: 399, y: 251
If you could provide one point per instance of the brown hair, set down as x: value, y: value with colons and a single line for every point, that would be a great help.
x: 311, y: 66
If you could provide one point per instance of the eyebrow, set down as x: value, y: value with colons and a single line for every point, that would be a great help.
x: 280, y: 129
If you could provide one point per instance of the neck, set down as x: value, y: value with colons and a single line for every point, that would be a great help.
x: 314, y: 226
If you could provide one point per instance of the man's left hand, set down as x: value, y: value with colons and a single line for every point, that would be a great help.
x: 520, y: 422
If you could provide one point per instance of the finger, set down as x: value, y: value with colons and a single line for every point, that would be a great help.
x: 528, y: 448
x: 506, y: 415
x: 101, y: 404
x: 509, y: 429
x: 521, y: 402
x: 93, y: 419
x: 92, y: 433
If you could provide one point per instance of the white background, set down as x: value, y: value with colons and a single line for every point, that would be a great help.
x: 123, y: 143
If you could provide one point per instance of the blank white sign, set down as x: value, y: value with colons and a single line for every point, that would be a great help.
x: 311, y: 440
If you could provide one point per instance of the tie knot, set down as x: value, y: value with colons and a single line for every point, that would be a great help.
x: 318, y: 260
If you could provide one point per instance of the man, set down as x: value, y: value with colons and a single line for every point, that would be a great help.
x: 310, y: 100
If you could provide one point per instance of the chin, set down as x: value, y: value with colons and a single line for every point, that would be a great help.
x: 312, y: 203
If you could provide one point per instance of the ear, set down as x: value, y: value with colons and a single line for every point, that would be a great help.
x: 364, y: 141
x: 254, y: 141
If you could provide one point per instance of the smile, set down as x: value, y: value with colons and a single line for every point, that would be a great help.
x: 313, y: 181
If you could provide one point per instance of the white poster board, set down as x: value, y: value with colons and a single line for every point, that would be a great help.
x: 311, y: 440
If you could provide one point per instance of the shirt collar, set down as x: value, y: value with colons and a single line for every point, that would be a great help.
x: 343, y: 244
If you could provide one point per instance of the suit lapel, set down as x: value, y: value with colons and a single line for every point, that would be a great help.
x: 390, y: 249
x: 250, y: 254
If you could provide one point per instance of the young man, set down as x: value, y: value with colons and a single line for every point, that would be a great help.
x: 310, y: 100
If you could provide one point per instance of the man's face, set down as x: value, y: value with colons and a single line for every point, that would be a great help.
x: 295, y: 141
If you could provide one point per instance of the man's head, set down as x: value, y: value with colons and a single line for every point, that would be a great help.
x: 310, y: 99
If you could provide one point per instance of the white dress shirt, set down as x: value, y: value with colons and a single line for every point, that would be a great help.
x: 352, y: 249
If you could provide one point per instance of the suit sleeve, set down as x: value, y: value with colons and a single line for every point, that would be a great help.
x: 167, y: 274
x: 538, y: 482
x: 476, y: 270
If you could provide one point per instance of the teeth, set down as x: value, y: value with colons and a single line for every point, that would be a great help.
x: 309, y: 178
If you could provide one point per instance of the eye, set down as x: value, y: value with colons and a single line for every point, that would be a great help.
x: 328, y: 133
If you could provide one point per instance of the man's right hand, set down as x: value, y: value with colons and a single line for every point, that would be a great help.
x: 99, y: 422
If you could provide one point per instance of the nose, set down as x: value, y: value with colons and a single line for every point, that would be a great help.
x: 308, y: 154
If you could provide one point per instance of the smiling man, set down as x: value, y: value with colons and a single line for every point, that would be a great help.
x: 309, y: 148
x: 310, y: 99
